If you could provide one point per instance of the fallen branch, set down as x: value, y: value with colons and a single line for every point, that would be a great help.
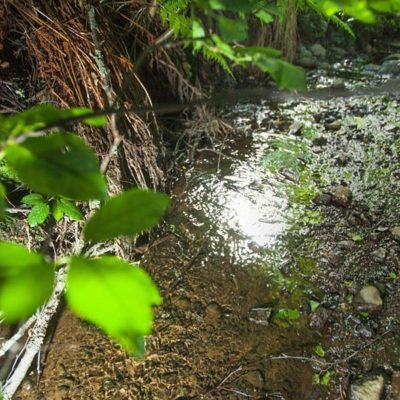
x: 43, y: 317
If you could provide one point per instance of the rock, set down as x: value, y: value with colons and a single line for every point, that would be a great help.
x: 368, y: 299
x: 396, y: 385
x: 323, y: 199
x: 372, y: 68
x: 367, y: 389
x: 338, y: 52
x: 333, y: 126
x: 395, y: 232
x: 342, y: 195
x: 379, y: 254
x: 393, y: 56
x: 318, y: 51
x: 319, y: 318
x: 307, y: 61
x: 346, y: 244
x: 338, y: 83
x: 260, y: 316
x: 320, y: 141
x: 254, y: 378
x: 390, y: 68
x: 295, y: 128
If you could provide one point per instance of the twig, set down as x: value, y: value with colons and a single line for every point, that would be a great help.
x: 38, y: 334
x: 6, y: 346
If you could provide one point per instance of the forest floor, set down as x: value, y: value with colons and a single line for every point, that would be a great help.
x: 273, y: 262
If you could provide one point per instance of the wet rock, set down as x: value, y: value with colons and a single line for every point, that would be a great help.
x: 367, y: 389
x: 338, y: 83
x: 342, y: 195
x: 379, y: 254
x: 395, y: 232
x: 319, y: 318
x: 323, y: 199
x: 260, y: 316
x: 396, y: 385
x: 372, y: 68
x: 333, y: 126
x: 318, y: 51
x: 390, y: 68
x: 368, y: 299
x: 255, y: 379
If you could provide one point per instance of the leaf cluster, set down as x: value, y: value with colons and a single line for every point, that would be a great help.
x: 60, y: 170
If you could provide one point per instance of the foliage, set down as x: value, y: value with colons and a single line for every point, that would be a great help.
x: 219, y: 30
x: 59, y: 167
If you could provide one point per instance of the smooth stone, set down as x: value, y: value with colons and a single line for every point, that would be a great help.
x: 318, y: 50
x: 380, y: 253
x: 368, y: 389
x: 396, y: 233
x: 342, y: 195
x: 323, y: 199
x: 368, y: 299
x: 307, y: 61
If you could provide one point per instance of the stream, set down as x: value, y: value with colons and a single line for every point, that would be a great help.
x: 278, y: 263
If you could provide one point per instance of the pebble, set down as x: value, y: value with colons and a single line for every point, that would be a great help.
x: 367, y: 389
x: 319, y: 318
x: 396, y: 233
x: 368, y: 299
x: 342, y: 195
x: 260, y: 316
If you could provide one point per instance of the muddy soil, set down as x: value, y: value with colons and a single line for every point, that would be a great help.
x: 260, y: 266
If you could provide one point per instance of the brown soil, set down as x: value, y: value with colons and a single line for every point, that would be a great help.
x: 203, y: 347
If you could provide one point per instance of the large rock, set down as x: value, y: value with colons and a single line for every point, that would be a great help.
x: 390, y: 68
x: 318, y: 51
x: 342, y: 195
x: 368, y: 299
x: 367, y: 389
x: 305, y: 58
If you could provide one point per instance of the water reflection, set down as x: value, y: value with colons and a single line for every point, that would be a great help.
x: 238, y: 208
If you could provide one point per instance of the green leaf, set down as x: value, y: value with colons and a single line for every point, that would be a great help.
x: 264, y: 16
x: 58, y: 164
x: 33, y: 199
x: 357, y: 238
x: 313, y: 305
x: 326, y: 378
x: 26, y: 281
x: 288, y: 314
x: 232, y: 29
x: 114, y: 295
x: 197, y: 30
x: 38, y: 117
x: 286, y: 75
x: 128, y: 214
x: 319, y: 350
x: 38, y: 214
x: 63, y: 206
